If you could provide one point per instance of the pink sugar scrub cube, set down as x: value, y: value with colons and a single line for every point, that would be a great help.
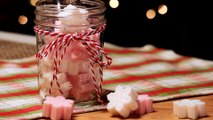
x: 57, y: 108
x: 80, y: 79
x: 145, y: 104
x: 82, y: 86
x: 76, y: 51
x: 70, y: 67
x: 84, y: 67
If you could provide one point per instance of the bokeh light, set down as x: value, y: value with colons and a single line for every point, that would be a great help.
x: 33, y: 2
x: 162, y: 9
x: 114, y: 3
x: 150, y: 14
x: 22, y: 19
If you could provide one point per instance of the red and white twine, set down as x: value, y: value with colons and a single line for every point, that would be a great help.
x: 60, y: 45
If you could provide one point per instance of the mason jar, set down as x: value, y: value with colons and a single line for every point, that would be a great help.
x: 69, y: 43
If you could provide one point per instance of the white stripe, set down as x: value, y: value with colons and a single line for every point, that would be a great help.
x: 17, y: 37
x: 18, y: 101
x: 8, y: 71
x: 18, y: 86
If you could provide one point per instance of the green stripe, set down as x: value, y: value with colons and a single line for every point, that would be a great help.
x: 19, y: 79
x: 12, y: 97
x: 36, y: 113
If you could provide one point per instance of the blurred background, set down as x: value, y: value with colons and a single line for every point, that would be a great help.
x: 184, y: 26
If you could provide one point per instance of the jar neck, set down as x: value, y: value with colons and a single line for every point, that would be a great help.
x: 91, y: 10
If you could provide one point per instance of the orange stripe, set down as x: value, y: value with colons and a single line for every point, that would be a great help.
x: 18, y: 76
x: 168, y: 90
x: 157, y: 75
x: 116, y: 67
x: 27, y: 92
x: 21, y: 111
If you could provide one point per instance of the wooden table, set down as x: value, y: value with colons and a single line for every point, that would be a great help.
x: 162, y: 111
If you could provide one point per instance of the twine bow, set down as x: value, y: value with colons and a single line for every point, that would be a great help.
x: 60, y: 46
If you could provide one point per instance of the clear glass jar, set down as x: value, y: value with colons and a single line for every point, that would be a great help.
x: 68, y: 35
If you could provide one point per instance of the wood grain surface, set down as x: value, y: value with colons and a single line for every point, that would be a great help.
x: 162, y: 111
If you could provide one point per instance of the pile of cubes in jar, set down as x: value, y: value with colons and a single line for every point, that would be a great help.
x: 74, y: 73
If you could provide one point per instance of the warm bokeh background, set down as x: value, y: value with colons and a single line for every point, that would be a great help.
x: 182, y: 25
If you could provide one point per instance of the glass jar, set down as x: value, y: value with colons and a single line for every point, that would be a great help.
x: 69, y: 42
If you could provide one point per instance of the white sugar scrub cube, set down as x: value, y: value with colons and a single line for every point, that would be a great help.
x: 129, y: 91
x: 45, y: 84
x: 122, y: 101
x: 48, y: 77
x: 70, y: 17
x: 45, y: 65
x: 68, y: 10
x: 122, y: 110
x: 43, y: 92
x: 65, y: 88
x: 201, y: 107
x: 175, y: 107
x: 132, y: 105
x: 182, y: 110
x: 192, y: 109
x: 57, y: 26
x: 112, y: 109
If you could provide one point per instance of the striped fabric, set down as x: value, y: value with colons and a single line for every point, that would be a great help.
x: 161, y: 73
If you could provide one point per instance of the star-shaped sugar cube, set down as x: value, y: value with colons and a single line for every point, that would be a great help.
x: 189, y: 108
x: 123, y: 101
x: 57, y: 108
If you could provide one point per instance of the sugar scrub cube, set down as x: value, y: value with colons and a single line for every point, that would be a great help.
x: 123, y: 101
x: 57, y: 108
x: 46, y: 65
x: 83, y: 86
x: 189, y: 109
x: 69, y: 66
x: 69, y: 16
x: 145, y: 104
x: 45, y: 84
